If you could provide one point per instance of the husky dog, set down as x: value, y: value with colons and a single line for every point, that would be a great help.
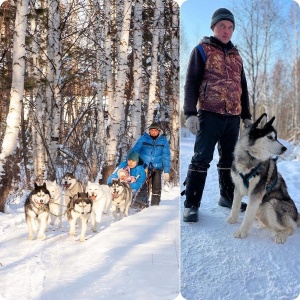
x: 254, y: 173
x: 121, y: 198
x: 71, y: 186
x: 80, y: 206
x: 101, y: 197
x: 37, y: 211
x: 56, y: 202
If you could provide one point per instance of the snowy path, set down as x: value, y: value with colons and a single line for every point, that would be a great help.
x: 215, y: 265
x: 128, y: 259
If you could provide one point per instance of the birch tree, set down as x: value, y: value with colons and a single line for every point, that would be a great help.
x: 10, y: 141
x: 116, y: 107
x: 154, y: 61
x: 55, y: 46
x: 136, y: 104
x: 174, y: 99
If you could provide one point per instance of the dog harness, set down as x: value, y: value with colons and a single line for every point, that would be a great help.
x: 255, y: 171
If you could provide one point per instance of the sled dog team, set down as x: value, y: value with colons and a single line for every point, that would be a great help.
x: 254, y: 173
x: 47, y: 201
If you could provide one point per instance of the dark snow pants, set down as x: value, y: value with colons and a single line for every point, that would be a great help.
x: 215, y: 128
x: 152, y: 184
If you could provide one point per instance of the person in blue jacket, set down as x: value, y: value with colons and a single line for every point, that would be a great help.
x: 130, y: 172
x: 154, y: 150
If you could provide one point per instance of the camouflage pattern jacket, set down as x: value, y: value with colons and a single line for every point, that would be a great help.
x: 217, y: 84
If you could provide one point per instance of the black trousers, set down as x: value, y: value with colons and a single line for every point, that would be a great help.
x: 152, y: 184
x: 215, y: 129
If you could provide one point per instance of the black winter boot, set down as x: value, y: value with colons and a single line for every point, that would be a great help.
x: 227, y: 189
x: 195, y: 182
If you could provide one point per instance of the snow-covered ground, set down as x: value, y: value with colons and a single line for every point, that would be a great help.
x: 135, y: 258
x: 215, y: 265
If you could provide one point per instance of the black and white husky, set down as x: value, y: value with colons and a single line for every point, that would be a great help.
x: 254, y: 173
x: 121, y: 198
x: 37, y: 211
x: 80, y: 206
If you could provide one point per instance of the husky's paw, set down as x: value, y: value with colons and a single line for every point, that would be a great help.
x: 72, y: 234
x: 240, y: 234
x: 30, y: 237
x: 280, y: 238
x: 82, y: 239
x: 232, y: 219
x: 94, y: 229
x: 41, y: 236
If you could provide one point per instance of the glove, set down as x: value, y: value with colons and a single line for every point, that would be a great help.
x: 166, y: 177
x: 192, y: 124
x: 247, y: 123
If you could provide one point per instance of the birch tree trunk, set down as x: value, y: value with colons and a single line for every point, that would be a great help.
x: 36, y: 114
x: 154, y: 61
x: 13, y: 119
x: 136, y: 105
x: 174, y: 99
x: 98, y: 154
x: 54, y: 20
x: 116, y: 107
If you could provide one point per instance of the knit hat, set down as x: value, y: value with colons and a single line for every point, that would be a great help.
x: 154, y: 125
x: 133, y: 156
x: 221, y: 14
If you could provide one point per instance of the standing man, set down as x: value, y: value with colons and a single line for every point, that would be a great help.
x: 154, y: 150
x: 216, y: 85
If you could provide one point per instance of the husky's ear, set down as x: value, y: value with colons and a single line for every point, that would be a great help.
x: 260, y: 122
x: 35, y: 185
x: 270, y: 122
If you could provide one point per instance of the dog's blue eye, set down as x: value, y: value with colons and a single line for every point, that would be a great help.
x: 270, y: 137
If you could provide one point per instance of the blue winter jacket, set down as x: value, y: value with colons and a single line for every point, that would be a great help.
x: 155, y: 153
x: 138, y: 172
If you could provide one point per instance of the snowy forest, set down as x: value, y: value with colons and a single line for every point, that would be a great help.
x: 80, y: 81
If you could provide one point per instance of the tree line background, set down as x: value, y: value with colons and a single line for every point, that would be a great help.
x: 80, y: 81
x: 267, y: 36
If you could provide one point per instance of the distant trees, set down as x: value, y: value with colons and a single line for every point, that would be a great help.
x: 269, y: 44
x: 90, y: 88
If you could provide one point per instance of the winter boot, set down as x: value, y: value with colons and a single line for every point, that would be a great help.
x: 155, y: 200
x: 227, y: 189
x: 195, y: 182
x: 156, y: 187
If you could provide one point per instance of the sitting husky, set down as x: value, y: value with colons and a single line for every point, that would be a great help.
x: 37, y: 211
x: 71, y: 187
x: 121, y: 198
x: 101, y: 197
x: 80, y: 206
x: 56, y: 204
x: 255, y: 174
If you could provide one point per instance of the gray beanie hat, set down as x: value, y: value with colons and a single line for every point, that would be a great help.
x: 154, y: 125
x: 222, y: 14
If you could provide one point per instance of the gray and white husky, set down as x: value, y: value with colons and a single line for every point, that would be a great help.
x: 37, y: 211
x: 80, y: 206
x: 121, y: 198
x: 254, y: 173
x: 71, y: 187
